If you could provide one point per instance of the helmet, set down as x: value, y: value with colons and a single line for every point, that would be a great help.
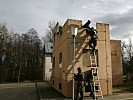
x: 89, y: 21
x: 79, y: 68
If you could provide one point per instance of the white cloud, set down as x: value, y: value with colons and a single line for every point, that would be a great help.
x: 25, y: 14
x: 84, y: 7
x: 119, y: 1
x: 121, y: 24
x: 124, y: 10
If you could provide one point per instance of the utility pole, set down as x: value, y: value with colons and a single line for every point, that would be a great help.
x: 74, y: 29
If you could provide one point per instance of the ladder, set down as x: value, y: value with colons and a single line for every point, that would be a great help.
x: 96, y: 83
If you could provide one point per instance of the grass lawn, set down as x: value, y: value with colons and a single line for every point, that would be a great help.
x: 125, y: 87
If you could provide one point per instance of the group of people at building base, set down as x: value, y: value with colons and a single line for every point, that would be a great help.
x: 80, y: 80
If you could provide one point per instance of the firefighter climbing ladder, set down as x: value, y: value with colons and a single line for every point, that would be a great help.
x: 96, y: 83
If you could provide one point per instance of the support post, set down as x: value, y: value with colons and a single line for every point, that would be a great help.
x: 73, y: 63
x: 74, y: 29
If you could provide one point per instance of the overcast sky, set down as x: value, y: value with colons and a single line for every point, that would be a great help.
x: 21, y: 15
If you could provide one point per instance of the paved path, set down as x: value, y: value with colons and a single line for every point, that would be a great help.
x: 122, y: 96
x: 15, y: 91
x: 48, y: 93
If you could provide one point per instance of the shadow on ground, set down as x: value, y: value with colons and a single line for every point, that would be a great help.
x: 48, y: 92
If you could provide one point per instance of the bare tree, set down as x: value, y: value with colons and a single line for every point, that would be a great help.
x: 3, y: 51
x: 19, y: 55
x: 49, y: 32
x: 127, y: 52
x: 130, y: 49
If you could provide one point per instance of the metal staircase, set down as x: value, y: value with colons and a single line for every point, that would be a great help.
x: 96, y: 83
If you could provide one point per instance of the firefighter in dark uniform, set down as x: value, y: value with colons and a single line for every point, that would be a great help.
x: 92, y: 33
x: 89, y: 80
x: 79, y: 84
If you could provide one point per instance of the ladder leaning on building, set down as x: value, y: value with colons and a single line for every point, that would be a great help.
x: 96, y: 83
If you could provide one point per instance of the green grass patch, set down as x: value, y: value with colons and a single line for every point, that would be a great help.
x: 125, y: 85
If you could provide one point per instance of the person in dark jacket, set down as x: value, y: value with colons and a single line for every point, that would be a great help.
x: 79, y: 84
x: 92, y: 33
x: 89, y: 80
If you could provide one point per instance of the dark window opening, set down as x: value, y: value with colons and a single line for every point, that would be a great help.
x: 53, y: 82
x: 86, y: 57
x: 60, y: 86
x: 60, y: 58
x: 53, y: 61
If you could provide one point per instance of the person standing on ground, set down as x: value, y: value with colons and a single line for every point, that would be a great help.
x: 90, y: 83
x: 79, y: 84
